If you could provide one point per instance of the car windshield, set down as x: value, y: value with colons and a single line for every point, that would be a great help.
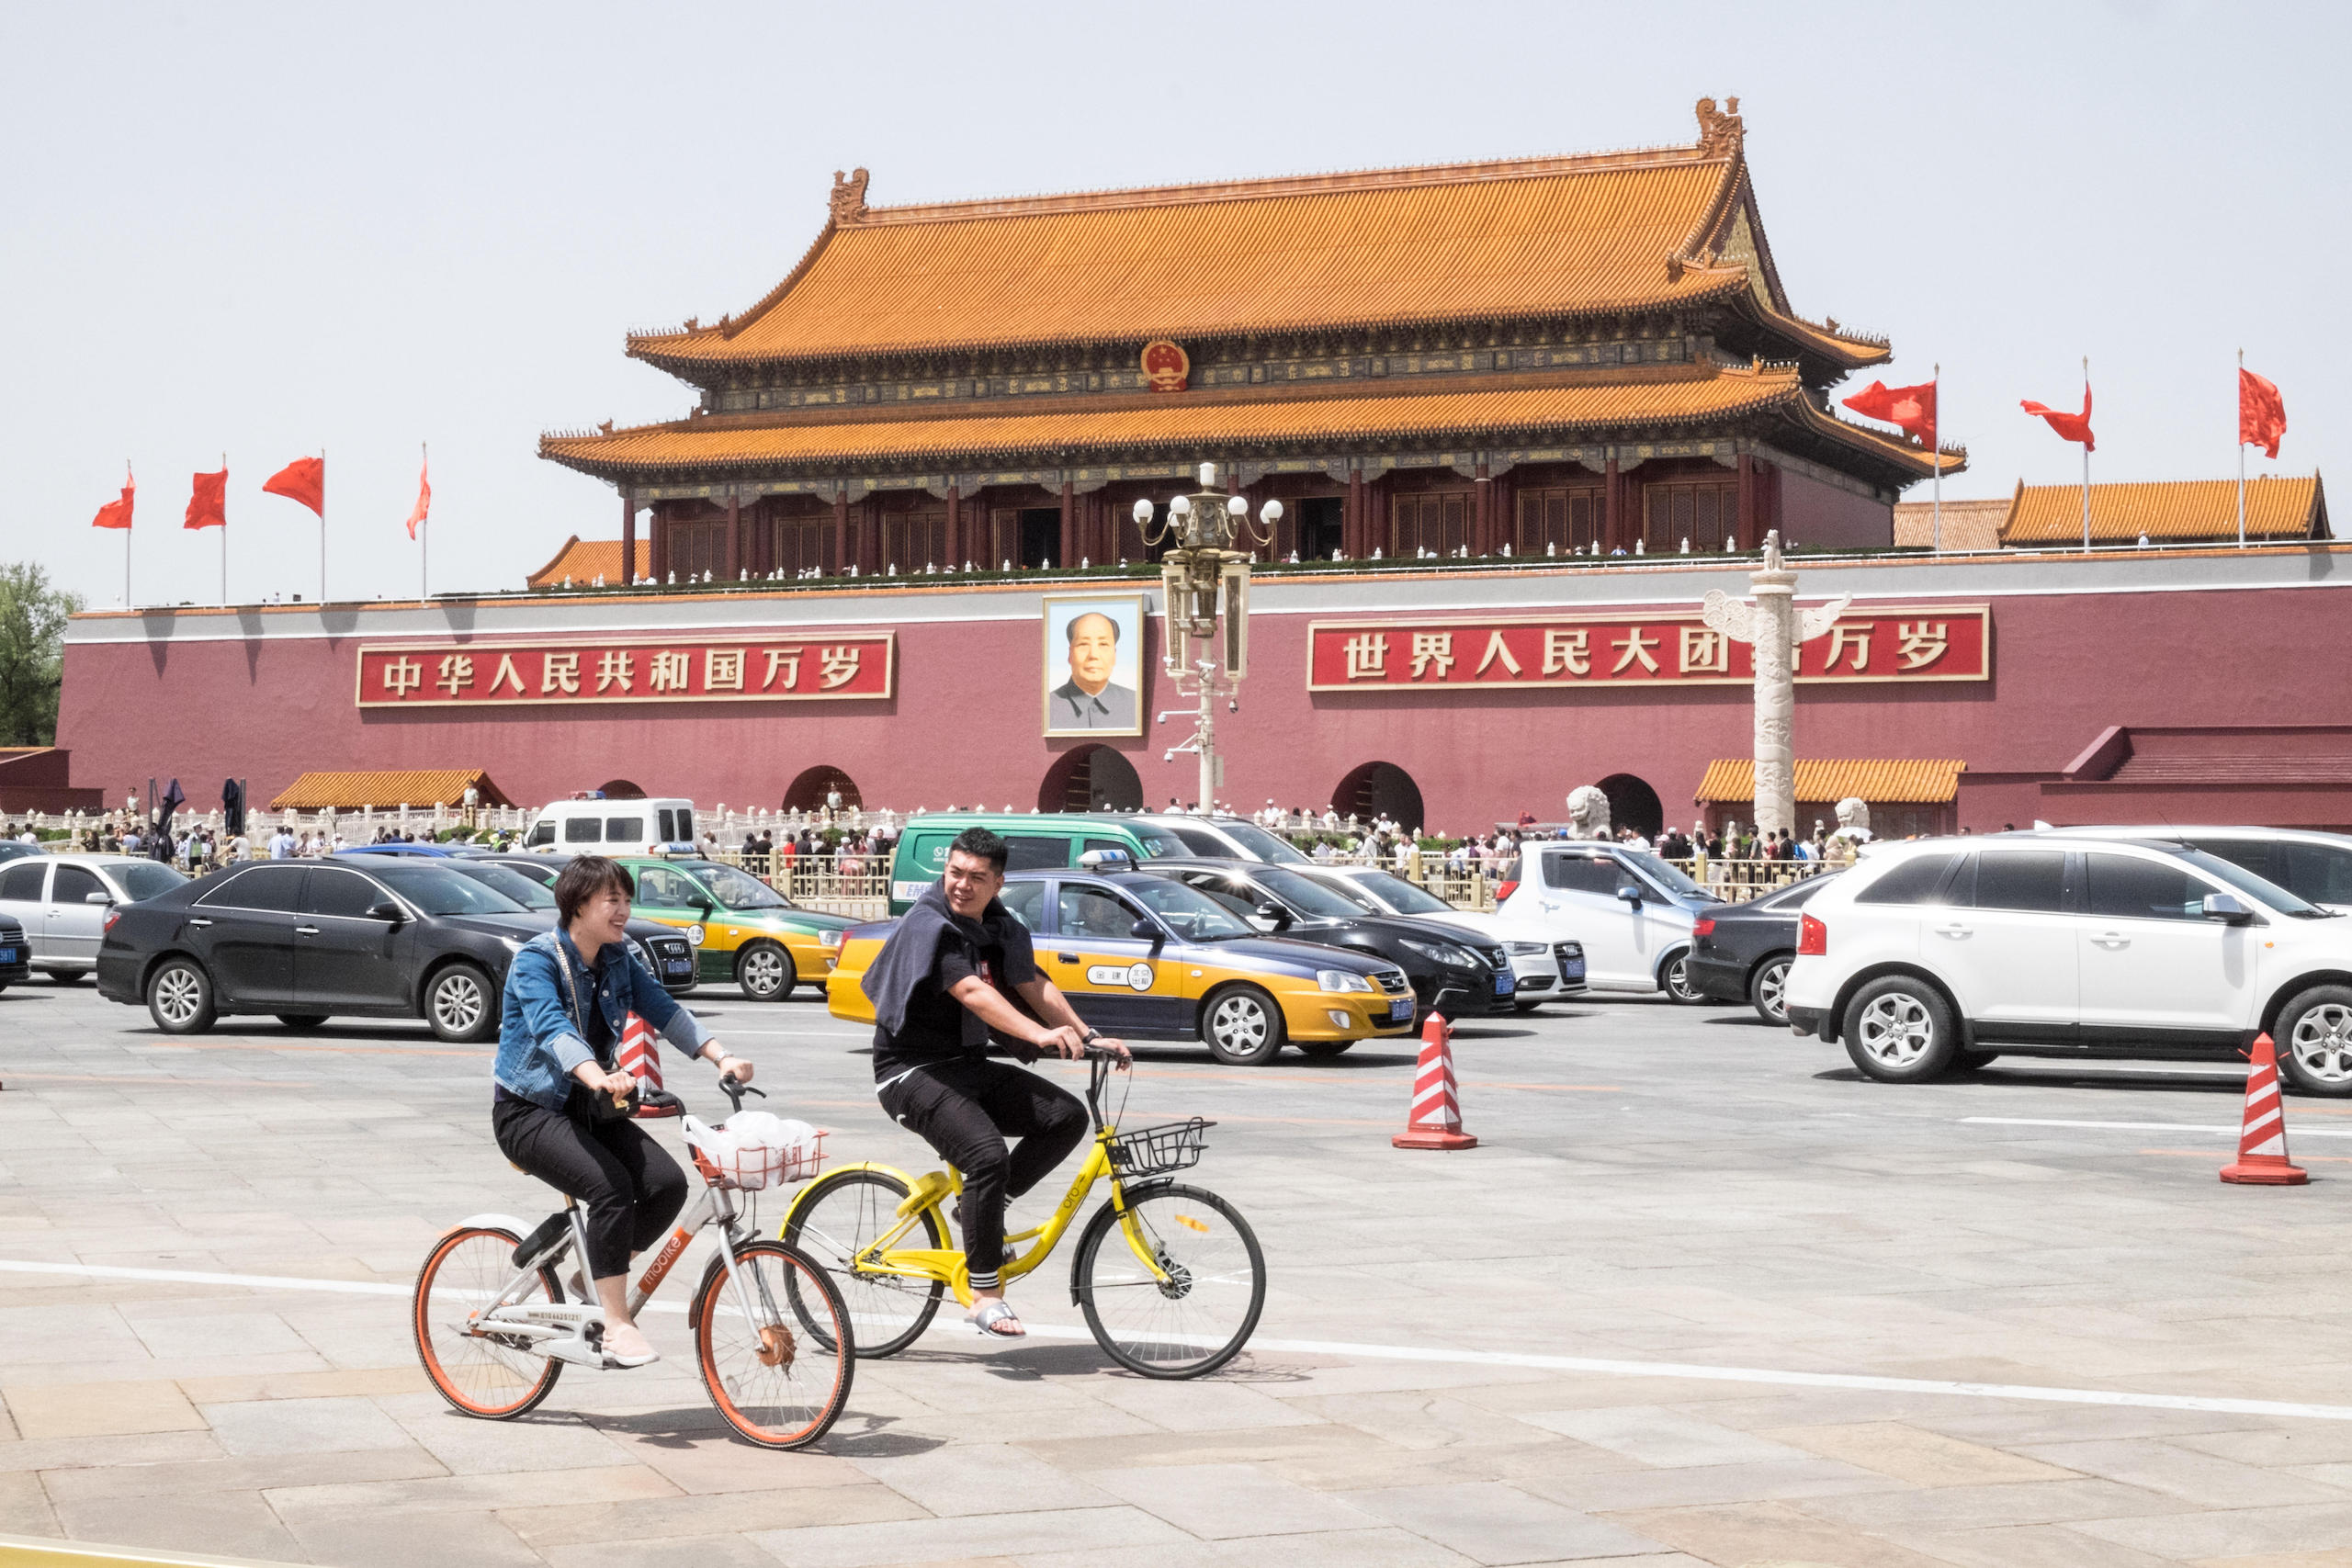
x: 1402, y: 895
x: 1306, y: 895
x: 737, y: 889
x: 513, y: 884
x: 145, y: 879
x: 1191, y: 915
x: 1262, y: 844
x: 437, y: 890
x: 2269, y: 895
x: 1664, y: 876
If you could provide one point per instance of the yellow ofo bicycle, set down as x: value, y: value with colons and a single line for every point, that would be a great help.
x: 1169, y: 1275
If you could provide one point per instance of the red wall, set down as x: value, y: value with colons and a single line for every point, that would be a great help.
x: 964, y: 729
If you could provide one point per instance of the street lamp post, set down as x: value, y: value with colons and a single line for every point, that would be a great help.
x: 1212, y: 543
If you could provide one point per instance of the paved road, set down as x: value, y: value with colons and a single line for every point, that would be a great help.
x: 1701, y: 1296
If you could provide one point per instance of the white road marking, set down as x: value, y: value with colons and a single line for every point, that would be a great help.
x: 2232, y: 1129
x: 1770, y: 1377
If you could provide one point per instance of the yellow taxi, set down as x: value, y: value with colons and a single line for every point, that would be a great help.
x: 742, y: 929
x: 1146, y: 958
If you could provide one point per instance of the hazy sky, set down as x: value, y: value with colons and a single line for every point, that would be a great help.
x: 272, y: 229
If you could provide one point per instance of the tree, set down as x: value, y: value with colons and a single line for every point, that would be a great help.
x: 32, y: 653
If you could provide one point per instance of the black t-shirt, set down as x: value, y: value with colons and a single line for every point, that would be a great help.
x: 934, y: 1028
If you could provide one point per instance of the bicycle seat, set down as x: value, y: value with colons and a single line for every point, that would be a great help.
x: 927, y: 1190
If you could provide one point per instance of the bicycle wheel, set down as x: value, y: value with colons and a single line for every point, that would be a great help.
x: 779, y: 1389
x: 1197, y: 1318
x: 842, y: 1214
x: 492, y: 1376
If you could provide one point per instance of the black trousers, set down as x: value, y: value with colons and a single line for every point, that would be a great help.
x: 965, y: 1110
x: 631, y: 1187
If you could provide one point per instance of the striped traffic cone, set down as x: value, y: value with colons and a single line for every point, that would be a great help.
x: 2261, y: 1146
x: 641, y: 1056
x: 1435, y: 1122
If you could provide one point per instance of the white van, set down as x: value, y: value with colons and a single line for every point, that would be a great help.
x: 613, y: 828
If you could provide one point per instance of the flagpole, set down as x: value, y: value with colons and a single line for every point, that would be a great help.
x: 128, y: 482
x: 2086, y: 464
x: 323, y: 525
x: 224, y: 530
x: 2240, y: 450
x: 1936, y: 455
x: 424, y: 538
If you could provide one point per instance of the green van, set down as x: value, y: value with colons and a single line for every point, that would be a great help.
x: 1040, y: 841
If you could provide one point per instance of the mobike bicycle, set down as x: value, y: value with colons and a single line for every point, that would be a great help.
x: 1169, y: 1275
x: 495, y: 1330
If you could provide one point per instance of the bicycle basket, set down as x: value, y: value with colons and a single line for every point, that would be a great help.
x: 1154, y: 1151
x: 753, y: 1151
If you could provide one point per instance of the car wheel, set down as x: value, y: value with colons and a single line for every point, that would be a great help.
x: 65, y: 977
x: 1674, y: 979
x: 1242, y: 1027
x: 2314, y: 1037
x: 1768, y: 990
x: 1900, y: 1030
x: 460, y: 1005
x: 764, y: 973
x: 180, y: 996
x: 303, y: 1022
x: 1324, y: 1050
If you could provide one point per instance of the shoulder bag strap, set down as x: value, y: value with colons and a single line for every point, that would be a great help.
x: 572, y: 998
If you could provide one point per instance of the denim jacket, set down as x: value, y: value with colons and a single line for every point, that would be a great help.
x: 538, y: 1041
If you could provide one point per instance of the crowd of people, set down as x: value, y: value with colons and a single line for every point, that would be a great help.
x: 847, y: 854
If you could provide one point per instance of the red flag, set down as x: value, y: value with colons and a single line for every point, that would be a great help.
x: 1913, y: 408
x: 303, y: 479
x: 115, y: 513
x: 423, y: 496
x: 2262, y: 413
x: 209, y: 507
x: 2073, y: 426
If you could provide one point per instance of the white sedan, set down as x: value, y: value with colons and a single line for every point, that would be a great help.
x: 1543, y: 971
x: 62, y: 902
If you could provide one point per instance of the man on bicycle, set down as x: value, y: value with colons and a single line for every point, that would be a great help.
x: 957, y: 973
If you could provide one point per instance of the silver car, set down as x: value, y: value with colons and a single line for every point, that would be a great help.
x: 62, y: 902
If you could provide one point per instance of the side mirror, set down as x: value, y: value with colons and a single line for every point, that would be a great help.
x: 1273, y: 914
x: 97, y: 898
x: 1631, y: 893
x: 2227, y: 909
x: 1144, y: 930
x: 384, y: 909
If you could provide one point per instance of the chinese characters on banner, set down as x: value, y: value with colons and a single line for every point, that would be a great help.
x: 861, y: 664
x: 1895, y: 643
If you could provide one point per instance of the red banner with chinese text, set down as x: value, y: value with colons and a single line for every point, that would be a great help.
x: 690, y: 670
x: 1896, y: 643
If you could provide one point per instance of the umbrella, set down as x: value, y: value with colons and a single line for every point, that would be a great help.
x: 172, y: 800
x: 233, y: 807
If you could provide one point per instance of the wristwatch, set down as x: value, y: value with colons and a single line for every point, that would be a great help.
x: 1092, y: 1036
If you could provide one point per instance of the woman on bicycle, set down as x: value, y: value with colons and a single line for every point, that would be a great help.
x: 556, y: 1112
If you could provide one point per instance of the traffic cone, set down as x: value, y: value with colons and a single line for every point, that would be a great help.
x: 1435, y: 1122
x: 641, y: 1056
x: 2261, y: 1146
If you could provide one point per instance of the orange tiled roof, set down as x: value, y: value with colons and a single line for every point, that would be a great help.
x: 1968, y: 524
x: 1128, y: 423
x: 586, y: 561
x: 417, y: 786
x: 2167, y: 512
x: 1873, y: 779
x: 1513, y: 238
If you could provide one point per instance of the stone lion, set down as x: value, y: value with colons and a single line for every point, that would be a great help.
x: 1589, y: 812
x: 1853, y: 819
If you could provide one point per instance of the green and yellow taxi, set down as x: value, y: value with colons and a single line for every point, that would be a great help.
x: 1148, y: 958
x: 742, y: 929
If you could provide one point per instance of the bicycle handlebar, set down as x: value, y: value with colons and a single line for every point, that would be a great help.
x: 735, y: 1088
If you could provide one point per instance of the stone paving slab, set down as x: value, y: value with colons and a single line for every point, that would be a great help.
x: 1645, y: 1190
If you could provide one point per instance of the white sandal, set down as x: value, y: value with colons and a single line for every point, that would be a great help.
x: 988, y: 1315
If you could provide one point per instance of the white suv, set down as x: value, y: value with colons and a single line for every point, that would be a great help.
x: 1939, y: 954
x: 1632, y: 911
x: 2314, y: 867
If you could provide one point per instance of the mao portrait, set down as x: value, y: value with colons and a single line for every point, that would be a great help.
x: 1093, y: 669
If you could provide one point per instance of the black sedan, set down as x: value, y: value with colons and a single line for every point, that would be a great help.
x: 16, y: 953
x: 1740, y: 952
x: 395, y: 937
x: 662, y: 949
x: 1453, y: 972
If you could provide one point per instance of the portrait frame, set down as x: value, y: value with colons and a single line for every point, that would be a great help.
x: 1129, y: 613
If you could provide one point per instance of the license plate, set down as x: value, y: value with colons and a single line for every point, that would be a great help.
x: 678, y: 966
x: 1572, y: 969
x: 7, y: 955
x: 1399, y: 1011
x: 1504, y: 984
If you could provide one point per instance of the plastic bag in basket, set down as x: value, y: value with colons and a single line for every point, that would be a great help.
x: 754, y: 1149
